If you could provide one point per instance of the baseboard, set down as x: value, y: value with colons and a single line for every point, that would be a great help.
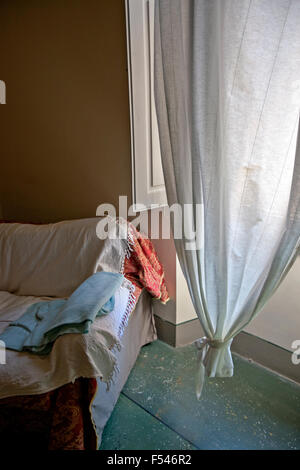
x: 166, y: 331
x: 245, y: 344
x: 178, y: 335
x: 267, y: 354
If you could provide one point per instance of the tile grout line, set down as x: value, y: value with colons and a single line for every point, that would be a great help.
x: 160, y: 420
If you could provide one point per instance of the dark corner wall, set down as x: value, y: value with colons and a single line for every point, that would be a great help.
x: 65, y: 130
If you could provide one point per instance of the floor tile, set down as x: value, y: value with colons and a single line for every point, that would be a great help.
x: 132, y: 428
x: 255, y: 409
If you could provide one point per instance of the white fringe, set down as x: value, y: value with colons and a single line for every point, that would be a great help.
x: 129, y: 308
x: 131, y: 298
x: 129, y: 243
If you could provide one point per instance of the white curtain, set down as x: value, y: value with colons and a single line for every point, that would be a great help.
x: 227, y: 81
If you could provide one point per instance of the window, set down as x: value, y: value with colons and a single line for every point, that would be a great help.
x: 147, y: 175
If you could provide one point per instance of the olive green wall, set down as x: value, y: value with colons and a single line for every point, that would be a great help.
x: 65, y: 130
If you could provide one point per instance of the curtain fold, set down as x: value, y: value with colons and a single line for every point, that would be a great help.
x: 227, y: 93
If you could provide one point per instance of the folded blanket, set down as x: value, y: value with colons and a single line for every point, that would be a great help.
x: 72, y: 355
x: 44, y: 322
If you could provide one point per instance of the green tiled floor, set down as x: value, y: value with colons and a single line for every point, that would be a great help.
x: 137, y: 429
x: 157, y: 410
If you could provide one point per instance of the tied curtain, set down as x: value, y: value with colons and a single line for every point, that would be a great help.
x: 227, y: 94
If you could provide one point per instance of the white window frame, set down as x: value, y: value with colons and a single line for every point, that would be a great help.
x: 147, y: 177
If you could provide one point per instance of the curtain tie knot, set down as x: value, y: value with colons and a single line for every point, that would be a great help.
x: 203, y: 344
x: 213, y: 343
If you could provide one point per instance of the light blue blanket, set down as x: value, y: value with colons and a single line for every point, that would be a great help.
x: 43, y: 322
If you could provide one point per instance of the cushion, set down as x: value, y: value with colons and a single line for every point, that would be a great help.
x: 48, y: 260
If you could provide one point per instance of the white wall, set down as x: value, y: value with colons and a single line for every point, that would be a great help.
x: 184, y: 308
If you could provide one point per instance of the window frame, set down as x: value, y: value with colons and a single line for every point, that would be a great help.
x: 147, y: 177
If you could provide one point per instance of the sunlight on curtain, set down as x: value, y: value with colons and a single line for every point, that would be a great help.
x: 227, y: 81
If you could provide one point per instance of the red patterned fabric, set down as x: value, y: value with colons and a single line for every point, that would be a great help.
x: 143, y: 267
x: 72, y: 426
x: 56, y: 420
